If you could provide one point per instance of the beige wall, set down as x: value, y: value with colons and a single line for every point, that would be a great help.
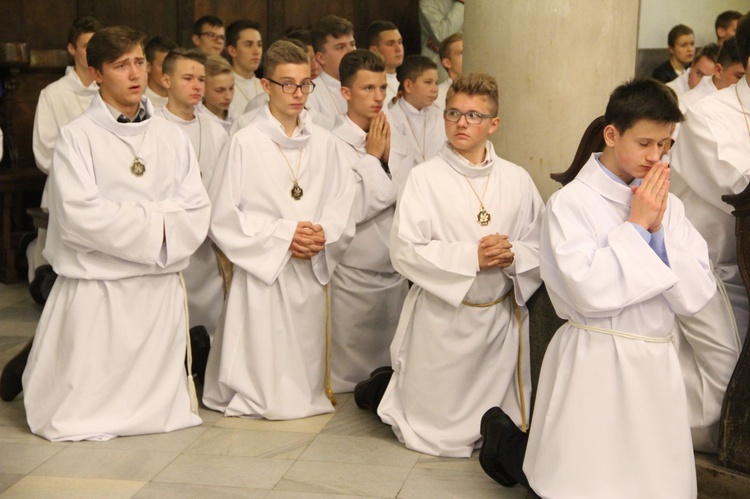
x: 556, y: 62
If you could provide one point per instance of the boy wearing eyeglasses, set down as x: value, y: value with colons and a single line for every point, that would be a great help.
x: 366, y: 291
x: 281, y: 205
x: 208, y: 35
x: 466, y: 233
x: 413, y: 116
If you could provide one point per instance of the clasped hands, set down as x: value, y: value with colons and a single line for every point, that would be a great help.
x: 650, y: 198
x: 308, y: 240
x: 495, y: 251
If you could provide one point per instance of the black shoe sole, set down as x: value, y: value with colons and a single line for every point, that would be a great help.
x: 490, y: 463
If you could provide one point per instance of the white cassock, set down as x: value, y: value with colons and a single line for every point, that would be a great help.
x: 680, y: 84
x: 423, y: 129
x: 203, y: 279
x: 458, y: 344
x: 703, y: 88
x: 59, y: 103
x: 226, y: 124
x: 269, y: 355
x: 326, y: 99
x: 442, y: 93
x: 366, y: 291
x: 245, y: 90
x: 711, y: 158
x: 392, y: 90
x: 157, y: 100
x: 439, y: 19
x: 109, y: 352
x: 610, y: 417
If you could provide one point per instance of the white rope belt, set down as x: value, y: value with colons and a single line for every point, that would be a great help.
x: 630, y: 336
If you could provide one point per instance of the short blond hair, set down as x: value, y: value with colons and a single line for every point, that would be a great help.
x: 216, y: 65
x: 476, y: 84
x: 284, y: 52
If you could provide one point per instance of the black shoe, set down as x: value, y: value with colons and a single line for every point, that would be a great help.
x: 364, y: 391
x: 10, y: 380
x: 495, y: 425
x: 41, y: 286
x: 200, y: 343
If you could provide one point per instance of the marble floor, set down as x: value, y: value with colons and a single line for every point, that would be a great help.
x: 346, y: 454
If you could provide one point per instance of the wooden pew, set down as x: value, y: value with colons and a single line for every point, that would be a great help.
x: 23, y: 74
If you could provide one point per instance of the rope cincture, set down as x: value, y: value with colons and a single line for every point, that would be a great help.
x: 519, y: 364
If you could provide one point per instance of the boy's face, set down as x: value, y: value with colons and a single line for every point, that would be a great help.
x: 391, y: 47
x: 454, y: 63
x: 700, y: 68
x: 465, y: 137
x: 728, y: 76
x: 219, y: 92
x: 728, y: 32
x: 154, y: 69
x: 248, y: 51
x: 287, y: 105
x: 684, y: 48
x: 211, y: 40
x: 365, y: 95
x: 78, y: 51
x: 315, y: 68
x: 423, y: 91
x: 122, y: 82
x: 334, y: 49
x: 187, y: 82
x: 638, y: 149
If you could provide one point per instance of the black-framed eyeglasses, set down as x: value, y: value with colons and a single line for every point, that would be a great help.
x: 213, y: 36
x: 290, y: 88
x: 472, y: 117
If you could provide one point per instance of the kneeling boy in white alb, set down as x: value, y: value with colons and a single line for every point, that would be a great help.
x: 127, y: 209
x: 466, y: 234
x: 281, y: 215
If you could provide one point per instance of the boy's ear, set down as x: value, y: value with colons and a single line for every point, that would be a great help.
x: 408, y: 86
x: 611, y: 135
x: 232, y: 51
x: 346, y: 93
x: 266, y: 85
x: 196, y: 40
x: 95, y: 75
x: 165, y: 80
x: 71, y: 50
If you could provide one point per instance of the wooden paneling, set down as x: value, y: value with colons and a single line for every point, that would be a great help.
x: 39, y: 23
x: 148, y: 16
x: 231, y: 10
x: 43, y: 24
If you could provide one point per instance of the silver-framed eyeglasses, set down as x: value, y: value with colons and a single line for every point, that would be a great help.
x: 472, y: 117
x: 213, y: 36
x: 290, y: 88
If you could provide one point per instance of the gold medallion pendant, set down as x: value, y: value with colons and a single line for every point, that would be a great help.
x: 137, y: 168
x: 483, y: 218
x: 296, y: 191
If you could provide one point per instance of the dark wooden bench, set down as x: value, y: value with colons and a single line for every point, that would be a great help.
x: 23, y: 74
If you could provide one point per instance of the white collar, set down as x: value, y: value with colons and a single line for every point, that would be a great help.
x: 99, y: 113
x: 271, y: 127
x: 466, y: 167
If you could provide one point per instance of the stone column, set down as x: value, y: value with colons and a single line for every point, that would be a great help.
x: 556, y: 62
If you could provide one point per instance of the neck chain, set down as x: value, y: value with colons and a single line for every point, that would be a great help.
x: 742, y: 106
x: 483, y: 217
x: 296, y: 191
x: 137, y: 168
x: 424, y: 134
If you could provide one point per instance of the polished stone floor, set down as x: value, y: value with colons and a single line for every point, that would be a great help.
x: 342, y: 455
